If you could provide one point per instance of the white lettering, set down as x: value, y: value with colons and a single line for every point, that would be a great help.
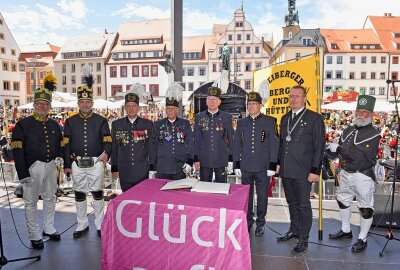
x: 229, y: 233
x: 151, y: 222
x: 138, y: 232
x: 195, y: 231
x: 182, y: 229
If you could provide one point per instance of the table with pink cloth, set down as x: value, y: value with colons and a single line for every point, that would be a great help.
x: 145, y: 228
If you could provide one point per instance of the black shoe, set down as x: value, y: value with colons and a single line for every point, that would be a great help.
x: 79, y: 234
x: 55, y: 236
x: 99, y: 233
x: 341, y: 235
x: 37, y: 244
x: 359, y: 246
x: 287, y: 236
x: 259, y: 231
x: 300, y: 246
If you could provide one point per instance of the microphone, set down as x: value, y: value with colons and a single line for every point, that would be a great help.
x: 392, y: 81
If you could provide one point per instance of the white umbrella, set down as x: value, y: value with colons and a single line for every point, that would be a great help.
x: 54, y: 104
x: 104, y: 104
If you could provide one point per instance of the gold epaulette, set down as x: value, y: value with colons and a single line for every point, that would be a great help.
x: 107, y: 138
x: 16, y: 145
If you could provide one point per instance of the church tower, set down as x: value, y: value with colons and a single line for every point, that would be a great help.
x: 291, y: 21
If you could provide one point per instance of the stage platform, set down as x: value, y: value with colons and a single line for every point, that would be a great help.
x: 85, y: 253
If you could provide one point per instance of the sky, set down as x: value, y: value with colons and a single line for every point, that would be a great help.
x: 53, y: 21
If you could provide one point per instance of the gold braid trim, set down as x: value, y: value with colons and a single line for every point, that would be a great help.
x: 16, y: 145
x: 107, y: 139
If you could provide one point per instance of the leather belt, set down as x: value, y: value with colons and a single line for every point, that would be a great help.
x: 84, y: 162
x: 352, y: 171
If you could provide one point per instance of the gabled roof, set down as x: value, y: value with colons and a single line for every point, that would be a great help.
x: 297, y: 39
x: 344, y: 38
x: 385, y: 27
x: 194, y: 43
x: 39, y: 48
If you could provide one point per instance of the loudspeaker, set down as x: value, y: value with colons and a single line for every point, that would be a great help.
x: 382, y: 215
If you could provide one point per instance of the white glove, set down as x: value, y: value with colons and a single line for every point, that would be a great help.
x: 152, y: 174
x: 59, y: 161
x: 26, y: 180
x: 238, y: 172
x: 332, y: 147
x: 270, y: 173
x: 186, y: 168
x: 229, y: 169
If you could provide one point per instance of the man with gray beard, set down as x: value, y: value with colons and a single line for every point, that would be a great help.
x: 357, y: 149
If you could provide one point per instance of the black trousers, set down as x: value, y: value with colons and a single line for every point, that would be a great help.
x: 261, y: 181
x: 127, y: 185
x: 207, y: 173
x: 176, y: 176
x: 297, y: 192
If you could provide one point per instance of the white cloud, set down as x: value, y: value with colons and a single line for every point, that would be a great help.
x: 132, y: 10
x: 191, y: 25
x: 77, y: 8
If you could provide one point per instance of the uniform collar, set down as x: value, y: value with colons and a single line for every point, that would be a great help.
x: 132, y: 121
x: 212, y: 114
x: 81, y: 115
x: 255, y: 118
x: 299, y: 111
x: 172, y: 122
x: 38, y: 118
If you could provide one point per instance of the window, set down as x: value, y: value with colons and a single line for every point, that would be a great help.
x: 2, y: 50
x: 363, y: 59
x: 373, y: 75
x: 394, y: 91
x: 247, y: 85
x: 154, y: 90
x: 214, y: 67
x: 115, y: 89
x: 339, y: 59
x: 352, y: 88
x: 382, y: 75
x: 5, y: 66
x: 352, y: 59
x: 154, y: 71
x: 248, y: 36
x: 328, y: 88
x: 372, y: 90
x: 258, y: 64
x: 307, y: 41
x: 135, y: 71
x: 123, y: 71
x: 190, y: 86
x: 73, y: 89
x: 329, y: 60
x: 1, y: 36
x: 362, y: 90
x: 257, y: 49
x: 239, y: 50
x: 21, y: 67
x: 248, y: 49
x: 72, y: 68
x: 363, y: 75
x: 6, y: 85
x: 339, y: 74
x: 239, y: 24
x: 145, y: 71
x: 16, y: 86
x: 64, y: 68
x: 381, y: 91
x: 98, y: 68
x: 338, y: 87
x: 73, y: 79
x: 13, y: 67
x: 298, y: 55
x: 373, y: 59
x: 329, y: 74
x: 98, y: 80
x: 238, y: 67
x: 229, y: 38
x: 1, y: 22
x: 99, y: 91
x: 32, y: 78
x: 239, y: 37
x: 394, y: 76
x: 395, y: 60
x: 190, y: 72
x: 383, y: 59
x: 113, y: 71
x: 202, y: 71
x: 351, y: 75
x: 248, y: 67
x: 64, y: 80
x: 13, y: 52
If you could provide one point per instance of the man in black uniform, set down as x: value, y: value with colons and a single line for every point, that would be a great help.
x: 255, y: 155
x: 173, y: 140
x: 213, y: 139
x: 131, y: 135
x: 36, y: 143
x: 302, y: 142
x: 358, y: 149
x: 87, y: 141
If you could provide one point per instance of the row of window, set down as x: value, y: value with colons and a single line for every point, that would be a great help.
x: 3, y: 51
x: 363, y: 60
x: 239, y: 49
x: 363, y: 75
x: 7, y: 102
x: 96, y: 90
x: 8, y: 84
x: 73, y: 79
x: 238, y: 68
x: 239, y: 37
x: 141, y: 41
x: 134, y: 55
x: 363, y: 90
x: 73, y: 55
x: 153, y: 89
x: 194, y: 55
x: 73, y: 67
x: 147, y: 70
x: 9, y: 66
x: 191, y: 71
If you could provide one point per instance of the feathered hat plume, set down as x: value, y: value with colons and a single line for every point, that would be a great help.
x: 137, y: 89
x: 263, y: 90
x: 87, y: 76
x: 50, y: 82
x: 174, y: 91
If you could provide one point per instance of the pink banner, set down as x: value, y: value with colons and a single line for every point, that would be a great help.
x: 145, y: 228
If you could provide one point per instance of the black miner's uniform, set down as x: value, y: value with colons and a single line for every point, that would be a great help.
x: 131, y: 150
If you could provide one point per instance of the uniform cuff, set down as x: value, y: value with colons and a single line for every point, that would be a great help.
x: 189, y: 161
x: 196, y: 158
x: 314, y: 170
x: 114, y: 168
x: 272, y: 166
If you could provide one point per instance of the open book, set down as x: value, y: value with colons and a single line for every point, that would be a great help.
x: 198, y: 186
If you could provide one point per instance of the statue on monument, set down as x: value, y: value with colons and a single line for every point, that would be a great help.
x: 225, y: 56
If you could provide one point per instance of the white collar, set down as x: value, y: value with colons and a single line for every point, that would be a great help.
x: 132, y: 120
x: 213, y: 112
x: 295, y: 113
x: 171, y: 121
